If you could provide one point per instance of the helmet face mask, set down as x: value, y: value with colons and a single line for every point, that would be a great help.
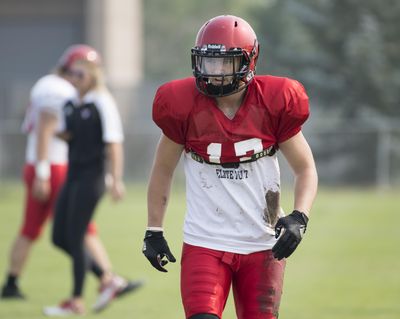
x: 223, y: 66
x: 218, y: 73
x: 219, y: 65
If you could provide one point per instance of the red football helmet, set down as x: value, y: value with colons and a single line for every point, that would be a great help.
x: 225, y: 55
x: 78, y: 52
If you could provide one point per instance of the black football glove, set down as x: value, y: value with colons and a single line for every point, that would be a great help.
x: 155, y: 248
x: 294, y: 226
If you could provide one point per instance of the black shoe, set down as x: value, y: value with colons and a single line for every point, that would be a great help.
x: 11, y: 292
x: 130, y: 286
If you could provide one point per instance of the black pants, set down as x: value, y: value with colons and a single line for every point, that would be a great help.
x: 74, y: 209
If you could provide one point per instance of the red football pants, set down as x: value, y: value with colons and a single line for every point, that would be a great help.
x: 206, y: 277
x: 37, y: 212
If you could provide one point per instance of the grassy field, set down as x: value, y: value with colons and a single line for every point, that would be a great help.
x: 347, y: 267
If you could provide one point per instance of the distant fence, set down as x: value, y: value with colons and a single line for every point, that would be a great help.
x: 346, y: 152
x: 356, y: 153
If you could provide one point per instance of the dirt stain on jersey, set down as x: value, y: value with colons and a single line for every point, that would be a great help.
x: 203, y: 181
x: 272, y: 208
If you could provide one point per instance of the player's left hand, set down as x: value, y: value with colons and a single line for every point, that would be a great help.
x: 294, y: 226
x: 156, y: 250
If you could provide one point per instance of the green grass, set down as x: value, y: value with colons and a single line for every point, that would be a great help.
x: 347, y: 266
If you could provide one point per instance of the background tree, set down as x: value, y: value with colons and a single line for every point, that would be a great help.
x: 346, y: 52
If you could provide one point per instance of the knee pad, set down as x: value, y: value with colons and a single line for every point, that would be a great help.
x: 204, y: 316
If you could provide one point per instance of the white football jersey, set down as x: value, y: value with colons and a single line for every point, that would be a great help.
x: 49, y: 94
x: 232, y: 209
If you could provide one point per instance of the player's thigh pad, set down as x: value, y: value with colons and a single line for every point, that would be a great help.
x: 257, y: 285
x: 205, y: 281
x: 37, y: 212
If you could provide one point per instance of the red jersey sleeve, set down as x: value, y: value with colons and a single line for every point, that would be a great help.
x: 295, y: 111
x: 166, y: 115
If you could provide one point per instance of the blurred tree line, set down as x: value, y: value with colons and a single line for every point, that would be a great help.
x: 346, y: 53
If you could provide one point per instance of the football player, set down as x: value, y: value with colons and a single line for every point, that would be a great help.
x: 229, y: 125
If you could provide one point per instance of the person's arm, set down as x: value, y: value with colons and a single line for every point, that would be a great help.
x: 155, y: 247
x: 166, y: 159
x: 291, y: 228
x: 115, y: 153
x: 65, y: 136
x: 299, y: 156
x: 47, y: 124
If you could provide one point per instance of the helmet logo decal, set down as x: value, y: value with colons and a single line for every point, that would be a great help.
x: 215, y: 47
x: 85, y: 114
x: 249, y: 76
x: 91, y: 56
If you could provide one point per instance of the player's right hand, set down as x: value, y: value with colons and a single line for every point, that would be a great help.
x: 41, y: 189
x: 117, y: 190
x: 155, y: 248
